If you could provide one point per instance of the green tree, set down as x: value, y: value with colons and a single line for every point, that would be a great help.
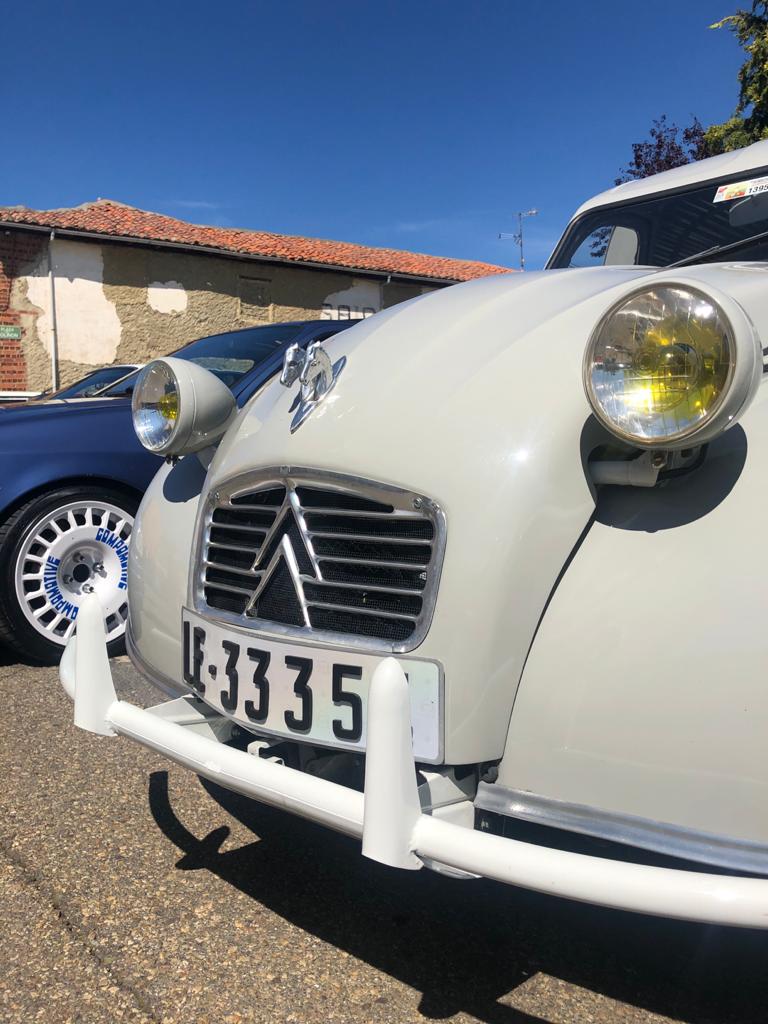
x: 750, y: 120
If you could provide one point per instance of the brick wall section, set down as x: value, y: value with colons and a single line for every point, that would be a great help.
x: 16, y: 249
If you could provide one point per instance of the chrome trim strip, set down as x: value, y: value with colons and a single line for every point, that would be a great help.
x: 374, y: 561
x: 407, y: 505
x: 316, y: 510
x: 229, y: 589
x: 382, y: 539
x: 378, y: 587
x: 372, y: 612
x: 726, y: 852
x: 243, y: 528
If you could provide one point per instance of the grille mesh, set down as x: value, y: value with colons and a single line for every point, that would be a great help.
x: 360, y: 567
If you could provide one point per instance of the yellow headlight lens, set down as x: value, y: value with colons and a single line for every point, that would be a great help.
x: 659, y: 364
x: 168, y: 406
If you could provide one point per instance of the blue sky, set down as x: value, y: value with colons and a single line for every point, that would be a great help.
x: 419, y: 125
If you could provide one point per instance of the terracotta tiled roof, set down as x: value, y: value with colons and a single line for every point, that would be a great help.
x: 107, y: 217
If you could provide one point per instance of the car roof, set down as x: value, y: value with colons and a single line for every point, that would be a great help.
x: 726, y: 165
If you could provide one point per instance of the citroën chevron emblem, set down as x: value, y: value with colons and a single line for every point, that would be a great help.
x: 284, y: 561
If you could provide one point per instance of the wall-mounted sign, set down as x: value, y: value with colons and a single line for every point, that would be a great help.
x: 9, y: 332
x: 345, y: 312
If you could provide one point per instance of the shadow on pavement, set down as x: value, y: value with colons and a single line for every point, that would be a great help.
x: 465, y: 945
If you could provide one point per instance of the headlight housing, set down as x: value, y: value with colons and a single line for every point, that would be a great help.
x: 667, y: 367
x: 180, y: 407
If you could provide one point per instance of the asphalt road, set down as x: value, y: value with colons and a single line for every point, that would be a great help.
x: 132, y: 891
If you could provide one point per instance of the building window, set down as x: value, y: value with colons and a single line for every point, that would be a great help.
x: 255, y: 299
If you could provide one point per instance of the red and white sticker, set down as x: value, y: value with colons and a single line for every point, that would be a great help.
x: 739, y: 189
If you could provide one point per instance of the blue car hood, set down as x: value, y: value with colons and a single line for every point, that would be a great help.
x: 68, y: 422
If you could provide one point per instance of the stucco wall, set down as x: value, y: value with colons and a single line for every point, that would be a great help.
x: 124, y: 303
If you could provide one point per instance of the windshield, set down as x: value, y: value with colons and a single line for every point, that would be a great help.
x: 228, y: 356
x: 660, y: 230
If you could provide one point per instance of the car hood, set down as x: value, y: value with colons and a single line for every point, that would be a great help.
x: 477, y: 365
x: 472, y: 396
x: 28, y: 411
x: 49, y: 424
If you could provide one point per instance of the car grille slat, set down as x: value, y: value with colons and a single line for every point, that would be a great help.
x: 271, y: 497
x: 228, y: 588
x: 345, y: 622
x: 360, y: 611
x: 404, y: 530
x: 241, y: 527
x: 224, y: 567
x: 351, y: 562
x: 404, y: 591
x: 242, y: 506
x: 397, y: 514
x: 229, y: 535
x: 365, y: 574
x: 367, y: 537
x: 314, y: 497
x: 389, y: 564
x: 237, y: 559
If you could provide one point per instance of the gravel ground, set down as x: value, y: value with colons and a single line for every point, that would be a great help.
x: 131, y: 891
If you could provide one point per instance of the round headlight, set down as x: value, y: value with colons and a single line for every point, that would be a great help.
x: 156, y: 405
x: 180, y: 407
x: 659, y: 370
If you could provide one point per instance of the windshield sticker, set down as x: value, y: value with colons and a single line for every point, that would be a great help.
x: 738, y: 189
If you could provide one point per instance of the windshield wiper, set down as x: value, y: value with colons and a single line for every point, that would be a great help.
x: 728, y: 247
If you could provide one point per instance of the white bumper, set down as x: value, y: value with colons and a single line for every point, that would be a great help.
x: 387, y: 816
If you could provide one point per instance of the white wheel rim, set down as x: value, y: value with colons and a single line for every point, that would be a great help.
x: 76, y: 549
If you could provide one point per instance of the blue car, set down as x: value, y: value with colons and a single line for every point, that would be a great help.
x: 72, y: 473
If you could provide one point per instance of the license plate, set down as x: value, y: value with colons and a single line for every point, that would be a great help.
x: 296, y: 692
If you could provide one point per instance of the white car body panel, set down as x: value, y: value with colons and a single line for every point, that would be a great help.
x: 650, y: 697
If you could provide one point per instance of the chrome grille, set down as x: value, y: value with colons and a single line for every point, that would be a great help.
x: 322, y: 556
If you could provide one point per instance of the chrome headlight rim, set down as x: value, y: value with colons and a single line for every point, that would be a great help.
x: 734, y: 320
x: 204, y: 408
x: 166, y: 445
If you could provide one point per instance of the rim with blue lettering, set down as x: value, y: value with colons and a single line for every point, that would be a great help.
x: 78, y: 549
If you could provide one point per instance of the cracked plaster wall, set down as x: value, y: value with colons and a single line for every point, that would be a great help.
x: 124, y: 303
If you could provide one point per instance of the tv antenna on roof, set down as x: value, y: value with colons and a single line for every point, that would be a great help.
x: 518, y: 238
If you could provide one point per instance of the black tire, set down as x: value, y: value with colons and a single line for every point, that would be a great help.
x: 16, y: 629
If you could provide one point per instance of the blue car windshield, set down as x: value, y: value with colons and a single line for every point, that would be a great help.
x: 91, y: 384
x: 229, y: 356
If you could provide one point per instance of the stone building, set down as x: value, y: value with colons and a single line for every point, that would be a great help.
x: 105, y: 282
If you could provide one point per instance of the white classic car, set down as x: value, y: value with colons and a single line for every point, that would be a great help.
x: 482, y: 580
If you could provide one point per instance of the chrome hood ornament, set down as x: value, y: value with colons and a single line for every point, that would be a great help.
x: 316, y: 374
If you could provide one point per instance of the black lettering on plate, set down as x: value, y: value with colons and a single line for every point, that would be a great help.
x: 258, y: 712
x: 303, y: 669
x: 229, y: 697
x: 194, y: 657
x: 347, y: 698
